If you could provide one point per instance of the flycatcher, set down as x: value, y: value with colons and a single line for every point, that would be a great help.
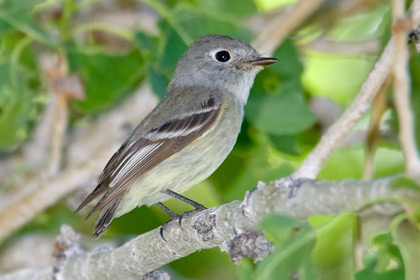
x: 187, y: 136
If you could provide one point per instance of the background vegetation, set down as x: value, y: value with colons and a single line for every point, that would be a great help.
x: 321, y: 68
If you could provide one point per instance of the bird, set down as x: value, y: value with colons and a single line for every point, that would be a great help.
x: 187, y: 136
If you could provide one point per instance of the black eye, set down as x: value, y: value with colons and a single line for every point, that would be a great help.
x: 222, y: 56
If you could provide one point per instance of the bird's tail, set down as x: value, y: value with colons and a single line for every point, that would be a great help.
x: 106, y: 216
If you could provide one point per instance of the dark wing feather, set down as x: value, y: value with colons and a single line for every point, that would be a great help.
x: 166, y: 147
x: 134, y: 159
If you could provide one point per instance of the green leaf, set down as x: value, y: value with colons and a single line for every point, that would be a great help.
x: 290, y: 261
x: 383, y: 261
x: 107, y: 78
x: 15, y: 107
x: 18, y: 84
x: 137, y: 221
x: 205, y: 264
x: 158, y: 75
x: 280, y: 115
x: 245, y: 269
x: 352, y: 156
x: 286, y: 144
x: 278, y: 229
x: 387, y: 162
x: 19, y: 15
x: 289, y: 66
x: 242, y: 170
x: 146, y: 44
x: 405, y: 182
x: 369, y: 274
x: 415, y: 102
x: 229, y: 7
x: 407, y: 238
x: 158, y: 81
x: 201, y: 21
x: 5, y: 28
x: 276, y: 104
x: 282, y: 77
x: 336, y: 76
x: 270, y: 5
x: 170, y: 51
x: 334, y: 248
x: 363, y: 26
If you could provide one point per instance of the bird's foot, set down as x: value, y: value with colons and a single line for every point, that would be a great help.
x: 163, y: 227
x: 175, y: 216
x: 197, y: 209
x: 172, y: 214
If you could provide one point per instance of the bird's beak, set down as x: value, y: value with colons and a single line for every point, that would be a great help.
x: 263, y: 61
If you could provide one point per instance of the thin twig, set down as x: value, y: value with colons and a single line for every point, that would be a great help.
x: 341, y: 128
x: 63, y: 88
x: 323, y: 44
x: 379, y: 107
x: 401, y: 27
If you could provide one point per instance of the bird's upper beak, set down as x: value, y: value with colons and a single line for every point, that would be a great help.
x: 263, y: 61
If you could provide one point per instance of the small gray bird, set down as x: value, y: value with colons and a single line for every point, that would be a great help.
x: 187, y: 136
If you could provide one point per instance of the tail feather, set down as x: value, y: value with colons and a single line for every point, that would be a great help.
x: 101, y: 188
x: 106, y: 216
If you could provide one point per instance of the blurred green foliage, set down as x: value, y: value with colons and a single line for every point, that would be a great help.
x: 290, y: 259
x: 107, y: 78
x: 278, y: 131
x: 383, y: 254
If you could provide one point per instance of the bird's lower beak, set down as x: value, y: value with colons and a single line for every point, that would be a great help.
x: 263, y: 61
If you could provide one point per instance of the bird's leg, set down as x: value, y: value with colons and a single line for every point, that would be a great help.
x: 173, y: 216
x: 196, y: 205
x: 168, y: 211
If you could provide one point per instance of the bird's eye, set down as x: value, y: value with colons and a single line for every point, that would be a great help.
x: 222, y: 56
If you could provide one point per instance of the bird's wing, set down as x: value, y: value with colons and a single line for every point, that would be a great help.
x: 136, y: 158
